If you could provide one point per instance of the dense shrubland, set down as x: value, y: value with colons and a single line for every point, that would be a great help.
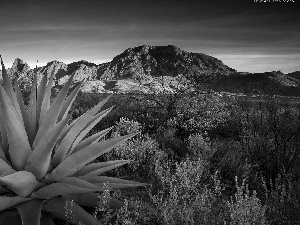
x: 216, y: 160
x: 210, y: 159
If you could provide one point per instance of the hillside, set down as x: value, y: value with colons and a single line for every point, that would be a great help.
x: 161, y: 69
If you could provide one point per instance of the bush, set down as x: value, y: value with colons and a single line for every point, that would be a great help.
x: 182, y: 198
x: 245, y: 208
x: 200, y: 147
x: 126, y: 126
x: 282, y: 200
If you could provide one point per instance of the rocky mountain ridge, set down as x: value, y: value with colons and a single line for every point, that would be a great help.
x: 159, y: 69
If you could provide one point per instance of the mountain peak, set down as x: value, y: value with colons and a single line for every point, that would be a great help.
x: 146, y: 60
x: 20, y: 66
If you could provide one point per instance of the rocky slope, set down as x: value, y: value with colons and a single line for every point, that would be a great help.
x: 160, y: 69
x: 144, y: 61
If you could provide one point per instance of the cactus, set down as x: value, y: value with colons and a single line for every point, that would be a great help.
x: 46, y: 162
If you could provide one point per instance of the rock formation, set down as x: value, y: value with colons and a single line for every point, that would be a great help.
x: 139, y: 62
x: 159, y: 69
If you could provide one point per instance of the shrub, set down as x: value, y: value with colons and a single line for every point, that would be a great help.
x: 245, y: 208
x: 200, y: 147
x: 182, y: 198
x: 282, y: 200
x: 141, y: 153
x: 126, y: 126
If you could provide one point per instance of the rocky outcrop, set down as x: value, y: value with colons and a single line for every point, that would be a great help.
x: 62, y: 71
x: 59, y: 69
x: 18, y: 68
x: 138, y: 62
x: 159, y: 69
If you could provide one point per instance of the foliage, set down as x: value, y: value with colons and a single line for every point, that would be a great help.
x: 202, y: 134
x: 183, y: 198
x: 200, y: 147
x: 282, y: 200
x: 246, y: 208
x: 46, y: 165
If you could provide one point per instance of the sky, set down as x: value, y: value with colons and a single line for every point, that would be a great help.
x: 247, y: 35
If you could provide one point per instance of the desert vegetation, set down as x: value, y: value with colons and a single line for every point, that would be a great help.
x: 207, y: 159
x: 213, y: 159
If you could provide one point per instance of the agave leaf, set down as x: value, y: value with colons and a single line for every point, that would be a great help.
x: 5, y: 169
x: 56, y: 189
x: 89, y: 127
x: 97, y: 107
x: 67, y: 129
x: 10, y: 201
x: 92, y: 200
x: 68, y: 103
x: 78, y: 182
x: 95, y: 169
x: 51, y: 115
x: 46, y: 219
x: 111, y: 182
x: 22, y: 107
x: 33, y: 122
x: 105, y: 169
x: 39, y: 160
x: 92, y: 139
x: 30, y: 212
x: 40, y: 96
x: 10, y: 217
x: 76, y: 161
x: 22, y: 182
x: 70, y: 211
x: 2, y: 154
x: 46, y: 100
x: 68, y: 140
x: 10, y: 92
x: 3, y: 190
x: 4, y: 139
x: 19, y: 148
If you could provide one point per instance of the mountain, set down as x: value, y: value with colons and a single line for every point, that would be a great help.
x: 144, y: 61
x: 160, y: 69
x: 18, y: 68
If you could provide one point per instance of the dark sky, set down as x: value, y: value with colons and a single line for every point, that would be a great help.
x: 246, y: 35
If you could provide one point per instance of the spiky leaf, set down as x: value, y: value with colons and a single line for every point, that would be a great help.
x: 10, y: 92
x: 39, y: 160
x: 19, y: 148
x: 95, y: 169
x: 40, y: 97
x: 56, y: 189
x: 22, y: 107
x: 51, y: 115
x: 67, y: 142
x: 10, y: 201
x: 30, y: 212
x: 10, y: 217
x: 22, y: 183
x: 92, y: 139
x: 96, y: 119
x: 46, y: 98
x: 111, y: 182
x: 32, y: 111
x: 5, y: 168
x: 79, y: 159
x: 68, y: 103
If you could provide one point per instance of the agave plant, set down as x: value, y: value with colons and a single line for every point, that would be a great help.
x: 47, y: 162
